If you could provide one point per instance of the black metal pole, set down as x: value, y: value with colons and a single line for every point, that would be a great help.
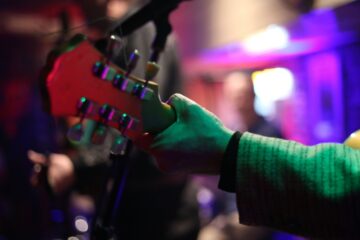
x: 108, y: 206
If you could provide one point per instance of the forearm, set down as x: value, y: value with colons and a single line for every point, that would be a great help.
x: 289, y: 186
x: 281, y: 184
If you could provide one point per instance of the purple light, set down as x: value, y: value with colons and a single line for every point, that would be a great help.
x: 311, y: 33
x: 326, y: 97
x: 57, y: 216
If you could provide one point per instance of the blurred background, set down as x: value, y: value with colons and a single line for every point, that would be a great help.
x: 303, y: 58
x: 299, y: 59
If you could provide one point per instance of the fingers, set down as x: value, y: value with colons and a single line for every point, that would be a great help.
x: 181, y: 105
x: 36, y: 157
x: 177, y: 99
x: 39, y: 160
x: 61, y: 173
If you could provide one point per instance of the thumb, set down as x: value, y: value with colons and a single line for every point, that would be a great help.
x: 144, y: 141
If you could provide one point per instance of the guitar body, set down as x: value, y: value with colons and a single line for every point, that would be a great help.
x: 354, y: 140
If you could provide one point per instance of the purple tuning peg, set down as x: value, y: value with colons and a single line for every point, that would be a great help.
x: 75, y: 133
x: 133, y: 60
x: 85, y: 106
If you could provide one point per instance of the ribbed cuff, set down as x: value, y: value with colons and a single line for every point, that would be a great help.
x: 227, y: 180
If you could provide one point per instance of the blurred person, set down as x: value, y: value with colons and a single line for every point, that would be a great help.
x: 46, y: 23
x: 26, y: 212
x: 239, y: 91
x: 23, y: 125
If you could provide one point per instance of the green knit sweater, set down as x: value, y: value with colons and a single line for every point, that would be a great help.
x: 311, y: 191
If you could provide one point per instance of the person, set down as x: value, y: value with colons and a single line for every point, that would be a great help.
x: 25, y: 212
x: 238, y: 89
x: 308, y: 190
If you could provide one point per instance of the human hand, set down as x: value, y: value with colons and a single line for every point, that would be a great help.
x: 61, y: 174
x: 195, y: 143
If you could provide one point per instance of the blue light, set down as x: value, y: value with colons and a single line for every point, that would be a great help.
x: 57, y: 216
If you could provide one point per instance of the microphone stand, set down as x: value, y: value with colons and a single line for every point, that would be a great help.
x: 163, y: 29
x: 109, y: 202
x: 155, y: 9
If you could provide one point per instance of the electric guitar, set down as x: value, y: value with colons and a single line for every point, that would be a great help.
x: 79, y: 81
x: 353, y: 140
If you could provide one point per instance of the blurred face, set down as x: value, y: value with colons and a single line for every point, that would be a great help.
x: 117, y: 8
x: 238, y: 89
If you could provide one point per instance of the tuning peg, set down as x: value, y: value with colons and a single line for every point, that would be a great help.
x: 99, y: 134
x: 120, y: 81
x: 98, y: 68
x: 103, y: 71
x: 119, y: 145
x: 138, y: 89
x: 152, y: 69
x: 85, y: 106
x: 106, y: 112
x: 133, y: 60
x: 75, y: 133
x: 124, y: 122
x: 113, y: 43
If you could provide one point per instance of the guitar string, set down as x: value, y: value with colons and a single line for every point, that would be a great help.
x: 91, y: 23
x: 123, y: 48
x: 83, y: 25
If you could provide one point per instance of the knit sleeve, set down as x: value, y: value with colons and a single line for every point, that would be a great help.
x: 313, y: 191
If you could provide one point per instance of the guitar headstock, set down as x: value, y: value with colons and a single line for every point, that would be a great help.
x: 79, y: 81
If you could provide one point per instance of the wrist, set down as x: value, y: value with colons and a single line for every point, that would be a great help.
x: 212, y: 164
